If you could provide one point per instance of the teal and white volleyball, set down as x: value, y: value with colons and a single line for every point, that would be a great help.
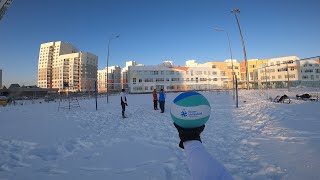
x: 190, y: 110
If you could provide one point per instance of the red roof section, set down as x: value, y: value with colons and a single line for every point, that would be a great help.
x: 181, y: 68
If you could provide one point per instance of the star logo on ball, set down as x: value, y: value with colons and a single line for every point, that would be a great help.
x: 184, y: 113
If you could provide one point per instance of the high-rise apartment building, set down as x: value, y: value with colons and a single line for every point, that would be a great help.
x: 114, y: 79
x: 4, y: 5
x: 62, y: 66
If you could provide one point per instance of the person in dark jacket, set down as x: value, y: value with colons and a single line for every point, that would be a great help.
x: 155, y: 99
x: 162, y: 99
x: 123, y: 102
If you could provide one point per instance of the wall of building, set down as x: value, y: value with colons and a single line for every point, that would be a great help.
x: 144, y: 79
x: 60, y: 65
x: 114, y: 79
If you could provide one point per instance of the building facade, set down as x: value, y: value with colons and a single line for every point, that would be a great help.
x: 310, y: 72
x: 144, y: 79
x: 114, y: 79
x: 76, y: 72
x: 279, y: 72
x: 226, y: 70
x: 62, y: 66
x: 124, y: 73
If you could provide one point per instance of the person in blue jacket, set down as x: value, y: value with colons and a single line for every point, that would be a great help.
x: 201, y: 164
x: 162, y: 100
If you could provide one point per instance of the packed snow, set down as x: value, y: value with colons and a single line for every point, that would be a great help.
x: 259, y: 140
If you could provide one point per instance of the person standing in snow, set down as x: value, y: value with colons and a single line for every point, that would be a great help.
x: 162, y: 99
x: 201, y: 164
x: 123, y: 102
x: 155, y: 99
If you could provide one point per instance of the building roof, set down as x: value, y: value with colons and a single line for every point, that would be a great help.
x: 14, y: 86
x: 180, y: 68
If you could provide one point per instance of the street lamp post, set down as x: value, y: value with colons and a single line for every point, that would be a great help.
x: 235, y: 11
x: 107, y: 84
x: 233, y: 89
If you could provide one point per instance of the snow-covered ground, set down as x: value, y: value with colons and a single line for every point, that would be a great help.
x: 259, y: 140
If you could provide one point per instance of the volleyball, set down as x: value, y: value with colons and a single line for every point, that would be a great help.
x: 190, y: 110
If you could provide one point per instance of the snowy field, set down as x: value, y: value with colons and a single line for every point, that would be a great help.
x: 259, y: 140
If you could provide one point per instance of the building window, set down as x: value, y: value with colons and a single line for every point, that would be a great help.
x: 159, y: 79
x: 279, y: 76
x: 137, y: 88
x: 134, y: 80
x: 148, y: 80
x: 170, y: 87
x: 198, y: 72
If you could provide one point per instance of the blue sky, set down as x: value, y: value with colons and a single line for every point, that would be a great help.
x: 152, y: 31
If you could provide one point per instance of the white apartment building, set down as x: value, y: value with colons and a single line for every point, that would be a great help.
x: 62, y: 66
x: 124, y: 73
x: 114, y: 79
x: 275, y: 74
x: 77, y: 70
x: 143, y: 79
x: 310, y: 71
